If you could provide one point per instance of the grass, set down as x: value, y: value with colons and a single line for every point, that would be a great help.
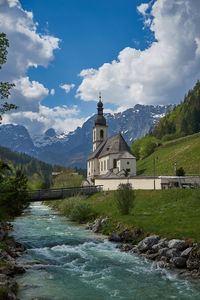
x: 3, y: 293
x: 4, y: 264
x: 184, y: 151
x: 169, y: 213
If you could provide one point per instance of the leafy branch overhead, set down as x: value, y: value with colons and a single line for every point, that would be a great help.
x: 5, y: 87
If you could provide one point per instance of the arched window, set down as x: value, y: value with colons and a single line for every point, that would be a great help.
x: 101, y: 134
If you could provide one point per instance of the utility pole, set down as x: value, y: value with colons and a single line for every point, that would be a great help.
x: 154, y: 172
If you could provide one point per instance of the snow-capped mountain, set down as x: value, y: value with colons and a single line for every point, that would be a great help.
x: 73, y: 148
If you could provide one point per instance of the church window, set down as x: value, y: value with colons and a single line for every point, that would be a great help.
x: 128, y: 170
x: 107, y: 164
x: 101, y: 133
x: 114, y: 163
x: 101, y: 166
x: 104, y: 165
x: 127, y: 162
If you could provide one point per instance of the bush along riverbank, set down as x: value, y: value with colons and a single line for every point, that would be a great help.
x: 9, y: 251
x: 161, y: 225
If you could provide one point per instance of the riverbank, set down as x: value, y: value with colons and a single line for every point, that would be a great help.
x: 163, y: 226
x: 68, y: 262
x: 9, y: 251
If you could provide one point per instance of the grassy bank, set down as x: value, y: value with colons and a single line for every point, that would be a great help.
x: 172, y: 213
x: 184, y: 151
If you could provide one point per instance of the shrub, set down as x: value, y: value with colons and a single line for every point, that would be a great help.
x: 124, y: 198
x: 77, y: 209
x: 180, y: 172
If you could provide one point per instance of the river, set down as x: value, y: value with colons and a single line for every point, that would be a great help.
x: 70, y: 263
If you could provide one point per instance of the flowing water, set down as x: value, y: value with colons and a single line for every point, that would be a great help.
x: 70, y: 263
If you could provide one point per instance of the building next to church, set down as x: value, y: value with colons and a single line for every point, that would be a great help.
x: 110, y: 155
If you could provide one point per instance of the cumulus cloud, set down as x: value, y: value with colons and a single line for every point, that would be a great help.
x: 160, y: 74
x: 67, y: 87
x: 59, y: 118
x: 28, y: 48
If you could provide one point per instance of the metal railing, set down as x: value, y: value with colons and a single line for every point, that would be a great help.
x: 61, y: 193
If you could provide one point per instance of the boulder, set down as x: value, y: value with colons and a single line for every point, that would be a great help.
x: 171, y: 253
x: 114, y: 237
x: 163, y: 251
x: 163, y: 264
x: 180, y: 245
x: 179, y: 262
x: 186, y: 252
x: 152, y: 256
x: 97, y: 225
x: 126, y: 235
x: 147, y: 243
x: 163, y: 243
x: 193, y: 262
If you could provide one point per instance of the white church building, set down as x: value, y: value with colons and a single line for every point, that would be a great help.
x: 112, y: 163
x: 111, y: 156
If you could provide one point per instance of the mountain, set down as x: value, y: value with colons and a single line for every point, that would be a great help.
x: 72, y: 148
x: 183, y: 120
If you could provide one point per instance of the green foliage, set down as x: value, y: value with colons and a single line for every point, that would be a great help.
x: 77, y: 209
x: 68, y: 178
x: 180, y: 172
x: 124, y: 198
x: 183, y: 151
x: 13, y: 196
x: 144, y: 147
x: 4, y: 86
x: 168, y: 213
x: 183, y: 120
x: 29, y: 166
x: 3, y: 293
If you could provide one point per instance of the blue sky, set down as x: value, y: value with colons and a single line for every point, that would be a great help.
x: 91, y: 33
x: 138, y: 51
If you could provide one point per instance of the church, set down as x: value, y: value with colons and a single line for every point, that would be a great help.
x: 111, y: 157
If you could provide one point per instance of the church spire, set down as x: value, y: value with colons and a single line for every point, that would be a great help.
x: 100, y: 120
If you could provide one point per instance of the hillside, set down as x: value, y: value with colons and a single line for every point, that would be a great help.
x: 27, y: 164
x: 184, y: 151
x: 183, y: 120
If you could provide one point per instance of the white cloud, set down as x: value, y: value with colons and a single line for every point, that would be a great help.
x: 143, y: 8
x: 160, y: 74
x: 67, y: 87
x: 28, y: 48
x: 60, y: 118
x: 52, y: 92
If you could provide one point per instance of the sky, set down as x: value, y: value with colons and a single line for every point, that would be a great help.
x: 63, y: 53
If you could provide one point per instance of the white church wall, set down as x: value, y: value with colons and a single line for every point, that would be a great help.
x: 137, y: 183
x: 127, y: 164
x: 92, y: 167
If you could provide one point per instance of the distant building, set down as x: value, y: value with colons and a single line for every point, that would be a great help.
x: 110, y: 155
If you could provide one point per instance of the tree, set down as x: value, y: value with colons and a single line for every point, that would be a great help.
x: 5, y: 87
x: 124, y: 198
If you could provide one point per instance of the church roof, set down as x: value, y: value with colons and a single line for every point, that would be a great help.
x: 114, y: 145
x: 97, y: 152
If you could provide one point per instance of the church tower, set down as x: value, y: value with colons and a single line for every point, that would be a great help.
x: 100, y: 129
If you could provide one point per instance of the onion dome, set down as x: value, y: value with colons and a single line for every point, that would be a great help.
x: 100, y: 120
